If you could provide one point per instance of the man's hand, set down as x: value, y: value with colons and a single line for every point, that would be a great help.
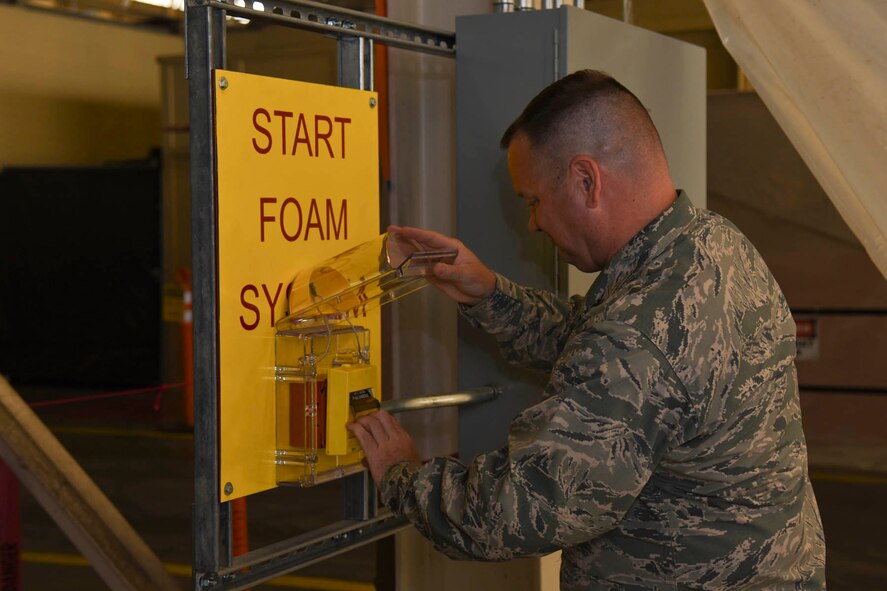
x: 467, y: 280
x: 384, y: 442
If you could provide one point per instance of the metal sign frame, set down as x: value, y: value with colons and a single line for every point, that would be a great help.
x: 214, y: 566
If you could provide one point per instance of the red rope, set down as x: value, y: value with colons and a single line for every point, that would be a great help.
x: 159, y: 389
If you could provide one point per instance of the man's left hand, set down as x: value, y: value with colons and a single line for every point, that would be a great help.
x: 384, y: 442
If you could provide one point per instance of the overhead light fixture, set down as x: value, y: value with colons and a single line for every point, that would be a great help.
x: 180, y: 4
x: 173, y: 4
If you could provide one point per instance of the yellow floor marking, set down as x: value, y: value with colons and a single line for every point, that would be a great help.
x: 184, y: 570
x: 53, y: 558
x: 110, y: 432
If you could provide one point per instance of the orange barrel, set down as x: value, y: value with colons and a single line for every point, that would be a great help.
x: 187, y: 346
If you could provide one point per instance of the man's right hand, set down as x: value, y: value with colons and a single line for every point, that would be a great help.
x: 467, y: 280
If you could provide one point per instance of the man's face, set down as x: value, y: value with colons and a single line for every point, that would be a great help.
x: 552, y: 209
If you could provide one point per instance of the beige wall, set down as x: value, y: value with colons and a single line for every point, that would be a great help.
x: 42, y: 130
x: 76, y: 92
x: 687, y: 20
x: 758, y: 180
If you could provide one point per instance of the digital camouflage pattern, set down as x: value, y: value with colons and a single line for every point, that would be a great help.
x: 668, y: 453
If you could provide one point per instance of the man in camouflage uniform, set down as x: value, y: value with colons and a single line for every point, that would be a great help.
x: 668, y: 452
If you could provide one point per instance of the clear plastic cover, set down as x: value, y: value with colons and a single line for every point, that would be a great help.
x: 360, y: 279
x: 322, y: 358
x: 303, y: 361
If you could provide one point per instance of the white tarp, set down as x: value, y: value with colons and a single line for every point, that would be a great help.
x: 820, y: 66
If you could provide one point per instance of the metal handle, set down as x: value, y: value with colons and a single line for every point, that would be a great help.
x: 468, y: 397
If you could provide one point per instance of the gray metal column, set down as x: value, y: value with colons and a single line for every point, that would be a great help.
x: 205, y: 33
x: 423, y: 194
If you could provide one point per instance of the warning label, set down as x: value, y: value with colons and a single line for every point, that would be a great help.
x: 807, y: 338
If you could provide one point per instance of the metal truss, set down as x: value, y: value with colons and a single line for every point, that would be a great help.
x: 214, y: 567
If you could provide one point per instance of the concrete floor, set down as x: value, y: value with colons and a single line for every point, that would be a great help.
x: 147, y: 474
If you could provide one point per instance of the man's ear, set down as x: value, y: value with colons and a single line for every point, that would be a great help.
x: 585, y: 176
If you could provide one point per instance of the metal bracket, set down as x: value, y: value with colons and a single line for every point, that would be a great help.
x: 341, y: 22
x: 214, y: 566
x: 301, y: 551
x: 355, y: 55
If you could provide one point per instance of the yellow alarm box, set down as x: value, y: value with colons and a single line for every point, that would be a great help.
x: 320, y: 367
x: 350, y: 394
x: 325, y: 375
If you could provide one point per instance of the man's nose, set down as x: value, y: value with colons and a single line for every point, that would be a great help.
x: 532, y: 226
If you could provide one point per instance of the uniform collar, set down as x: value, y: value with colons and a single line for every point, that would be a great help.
x: 642, y: 248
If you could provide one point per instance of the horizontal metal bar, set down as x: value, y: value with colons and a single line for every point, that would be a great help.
x: 475, y: 396
x: 358, y: 16
x: 840, y: 311
x: 300, y: 551
x: 341, y: 22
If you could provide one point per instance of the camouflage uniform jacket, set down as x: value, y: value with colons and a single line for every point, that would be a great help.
x: 668, y: 452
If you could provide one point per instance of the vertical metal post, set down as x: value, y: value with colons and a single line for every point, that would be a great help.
x: 360, y: 497
x: 355, y: 57
x: 355, y: 63
x: 226, y: 529
x: 205, y: 32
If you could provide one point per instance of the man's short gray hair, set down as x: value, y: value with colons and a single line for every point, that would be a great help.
x: 588, y: 112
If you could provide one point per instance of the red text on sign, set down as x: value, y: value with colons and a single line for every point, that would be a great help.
x: 294, y: 133
x: 258, y: 299
x: 318, y: 219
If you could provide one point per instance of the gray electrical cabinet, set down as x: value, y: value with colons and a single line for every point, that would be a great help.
x: 503, y: 61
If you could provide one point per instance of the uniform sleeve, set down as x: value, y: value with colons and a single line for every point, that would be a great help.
x: 530, y: 325
x: 573, y: 465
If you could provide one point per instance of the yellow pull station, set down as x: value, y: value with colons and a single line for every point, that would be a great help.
x: 325, y: 376
x: 350, y: 394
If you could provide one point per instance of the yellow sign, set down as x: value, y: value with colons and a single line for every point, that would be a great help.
x: 298, y: 182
